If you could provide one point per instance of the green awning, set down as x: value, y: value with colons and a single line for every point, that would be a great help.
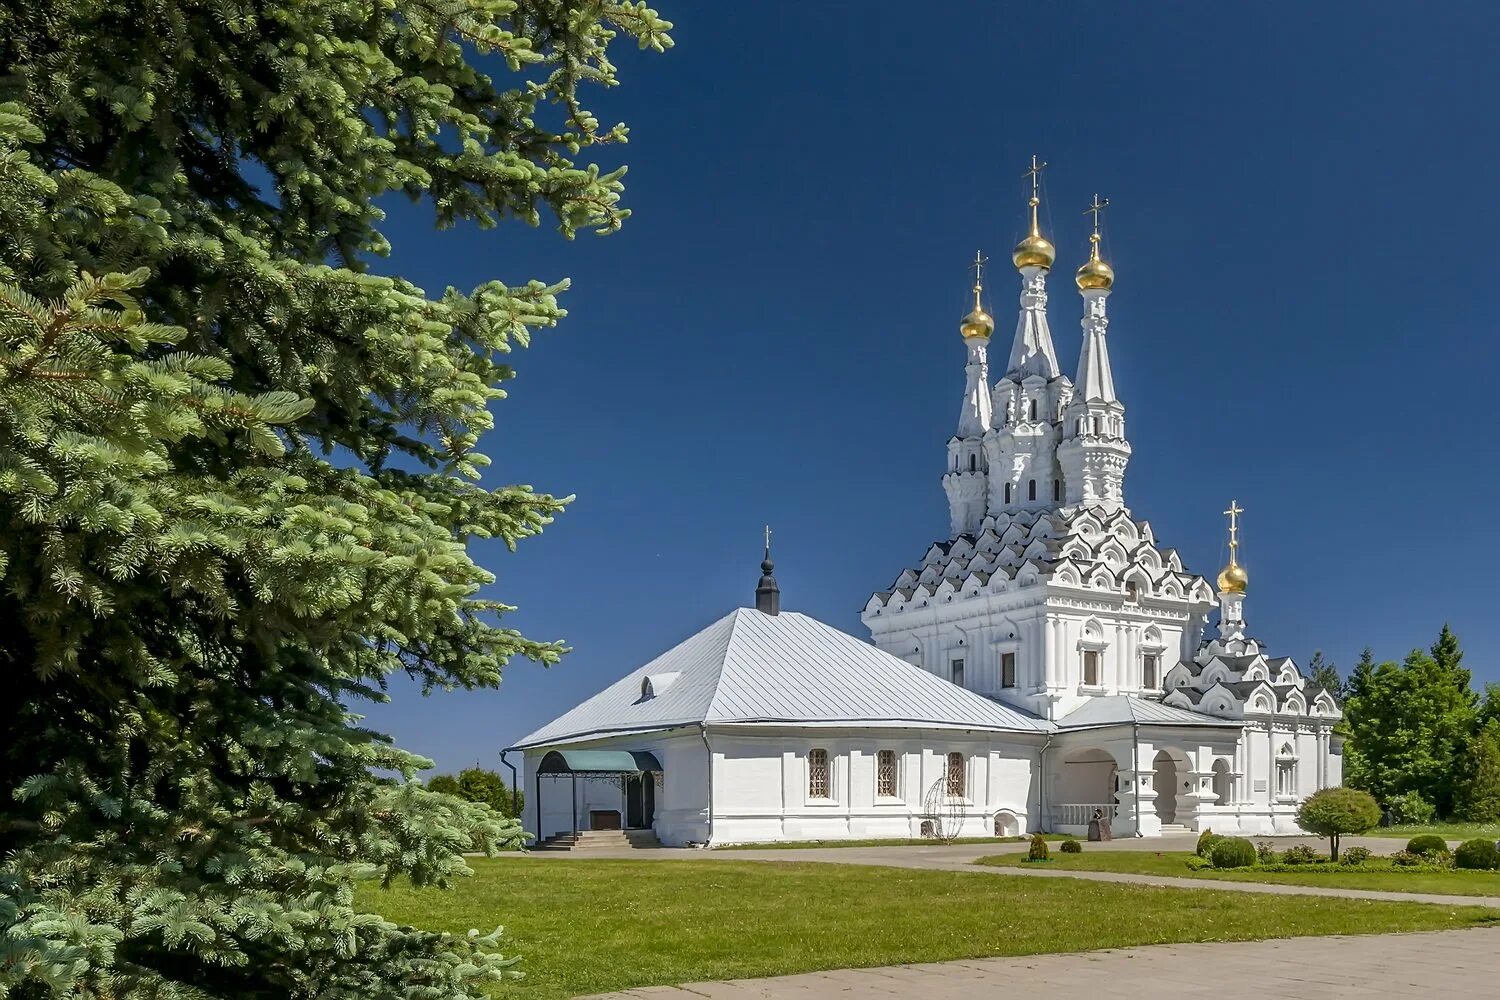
x: 598, y: 762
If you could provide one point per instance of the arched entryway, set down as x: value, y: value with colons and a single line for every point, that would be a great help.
x: 1007, y: 824
x: 1085, y: 783
x: 1222, y: 783
x: 1168, y: 781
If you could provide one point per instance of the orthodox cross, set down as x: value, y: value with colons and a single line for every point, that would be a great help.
x: 979, y: 262
x: 1098, y: 206
x: 768, y: 540
x: 1035, y: 173
x: 1234, y: 512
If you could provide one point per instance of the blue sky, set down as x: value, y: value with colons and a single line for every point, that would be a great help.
x: 1303, y: 225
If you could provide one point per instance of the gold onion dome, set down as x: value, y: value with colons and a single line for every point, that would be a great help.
x: 978, y: 325
x: 1035, y: 250
x: 1233, y: 579
x: 1094, y: 273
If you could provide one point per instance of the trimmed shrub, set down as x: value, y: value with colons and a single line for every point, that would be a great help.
x: 1410, y: 809
x: 1206, y: 841
x: 1428, y: 845
x: 1197, y: 864
x: 1477, y: 855
x: 1355, y: 856
x: 1071, y: 847
x: 1232, y: 852
x: 1334, y: 812
x: 1301, y: 854
x: 1406, y: 859
x: 1038, y: 849
x: 1266, y: 852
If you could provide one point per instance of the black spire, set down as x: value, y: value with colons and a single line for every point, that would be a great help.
x: 767, y: 594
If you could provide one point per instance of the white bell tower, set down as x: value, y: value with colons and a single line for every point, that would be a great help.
x: 968, y: 468
x: 1094, y: 451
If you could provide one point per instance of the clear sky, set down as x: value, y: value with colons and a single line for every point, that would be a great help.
x: 1303, y: 223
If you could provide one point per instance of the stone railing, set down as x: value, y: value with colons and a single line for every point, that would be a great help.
x: 1079, y: 813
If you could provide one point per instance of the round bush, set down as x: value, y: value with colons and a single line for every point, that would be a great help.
x: 1428, y: 845
x: 1206, y: 841
x: 1355, y: 856
x: 1232, y: 852
x: 1038, y: 850
x: 1477, y: 855
x: 1071, y: 847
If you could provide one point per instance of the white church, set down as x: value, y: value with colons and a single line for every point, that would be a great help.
x: 1042, y: 666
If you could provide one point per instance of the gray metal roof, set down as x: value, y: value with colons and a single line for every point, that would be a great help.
x: 751, y: 667
x: 1124, y: 710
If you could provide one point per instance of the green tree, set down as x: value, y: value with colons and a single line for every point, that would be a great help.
x: 1408, y: 726
x: 1480, y: 789
x: 1325, y: 674
x: 239, y: 471
x: 478, y: 784
x: 1334, y: 812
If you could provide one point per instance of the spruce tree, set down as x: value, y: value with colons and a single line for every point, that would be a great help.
x: 238, y: 470
x: 1325, y: 674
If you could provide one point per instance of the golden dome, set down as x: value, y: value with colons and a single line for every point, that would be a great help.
x: 977, y: 325
x: 1095, y: 274
x: 1233, y: 579
x: 1035, y: 250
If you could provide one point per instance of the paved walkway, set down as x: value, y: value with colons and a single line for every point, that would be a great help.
x: 1449, y: 963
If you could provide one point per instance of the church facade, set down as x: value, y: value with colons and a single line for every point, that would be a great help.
x: 1042, y: 666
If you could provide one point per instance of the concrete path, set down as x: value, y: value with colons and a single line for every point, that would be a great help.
x: 1455, y: 964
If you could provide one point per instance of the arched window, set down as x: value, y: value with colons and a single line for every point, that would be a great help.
x: 885, y: 774
x: 1286, y: 772
x: 1095, y: 422
x: 1091, y: 668
x: 973, y: 462
x: 1150, y: 667
x: 817, y: 774
x: 1031, y: 490
x: 1056, y: 490
x: 1007, y: 492
x: 1031, y: 412
x: 1132, y: 592
x: 956, y: 774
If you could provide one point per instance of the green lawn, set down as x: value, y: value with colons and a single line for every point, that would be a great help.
x: 1378, y: 873
x: 1452, y: 831
x: 790, y: 845
x: 588, y: 926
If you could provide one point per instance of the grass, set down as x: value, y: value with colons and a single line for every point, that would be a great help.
x: 589, y: 926
x: 1450, y: 831
x: 1378, y: 873
x: 790, y: 845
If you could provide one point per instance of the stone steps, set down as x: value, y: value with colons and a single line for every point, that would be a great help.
x: 599, y: 840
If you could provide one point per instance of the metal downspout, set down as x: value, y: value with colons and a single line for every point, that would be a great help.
x: 1136, y: 739
x: 515, y: 788
x: 703, y: 732
x: 1041, y: 783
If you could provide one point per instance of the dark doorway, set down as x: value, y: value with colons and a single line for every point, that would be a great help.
x: 640, y: 801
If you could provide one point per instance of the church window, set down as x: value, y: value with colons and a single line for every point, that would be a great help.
x: 885, y: 774
x: 1056, y: 489
x: 956, y: 774
x: 1095, y: 422
x: 1032, y: 412
x: 1008, y: 670
x: 1031, y: 490
x: 1132, y: 592
x: 973, y: 463
x: 1091, y: 668
x: 1007, y: 492
x: 956, y: 671
x: 1150, y: 663
x: 817, y: 774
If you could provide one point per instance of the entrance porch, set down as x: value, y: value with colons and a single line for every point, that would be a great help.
x: 615, y: 800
